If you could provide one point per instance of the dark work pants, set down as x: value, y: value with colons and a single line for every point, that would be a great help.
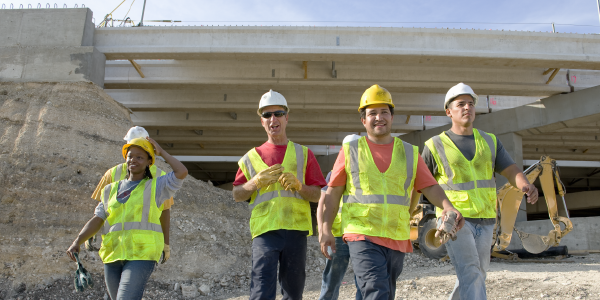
x: 286, y: 247
x: 376, y: 269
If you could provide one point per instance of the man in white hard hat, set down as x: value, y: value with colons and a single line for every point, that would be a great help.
x: 119, y: 172
x: 376, y: 175
x: 463, y: 160
x: 335, y: 268
x: 279, y: 178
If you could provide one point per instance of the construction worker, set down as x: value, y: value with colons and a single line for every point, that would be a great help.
x: 280, y: 178
x: 335, y: 268
x: 119, y: 172
x: 463, y: 161
x: 129, y: 214
x: 376, y: 175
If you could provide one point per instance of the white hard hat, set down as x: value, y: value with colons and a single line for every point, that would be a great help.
x: 457, y: 90
x: 351, y: 137
x: 272, y: 98
x: 135, y: 133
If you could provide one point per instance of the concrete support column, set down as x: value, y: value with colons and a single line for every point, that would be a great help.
x: 513, y: 143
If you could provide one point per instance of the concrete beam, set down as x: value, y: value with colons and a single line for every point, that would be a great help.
x: 315, y: 122
x: 408, y: 45
x: 306, y: 100
x: 558, y: 112
x: 352, y: 76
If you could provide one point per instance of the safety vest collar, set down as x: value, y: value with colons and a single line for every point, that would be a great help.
x: 111, y: 190
x: 119, y: 172
x: 358, y: 196
x: 449, y: 185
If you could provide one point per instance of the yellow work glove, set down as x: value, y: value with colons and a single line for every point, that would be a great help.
x: 290, y: 182
x: 267, y: 176
x: 166, y: 254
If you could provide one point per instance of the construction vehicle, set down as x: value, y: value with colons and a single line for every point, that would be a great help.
x: 423, y: 220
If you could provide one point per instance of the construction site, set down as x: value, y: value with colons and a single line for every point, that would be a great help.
x: 70, y: 91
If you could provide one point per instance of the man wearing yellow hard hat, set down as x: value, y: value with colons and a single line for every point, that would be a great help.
x: 463, y: 160
x: 376, y: 176
x: 119, y: 172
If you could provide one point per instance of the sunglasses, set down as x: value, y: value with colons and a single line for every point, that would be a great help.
x: 279, y: 113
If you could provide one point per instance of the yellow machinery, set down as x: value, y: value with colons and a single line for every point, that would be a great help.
x: 509, y: 201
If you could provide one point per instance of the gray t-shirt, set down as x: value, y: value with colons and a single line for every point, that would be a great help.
x: 166, y: 186
x: 466, y: 145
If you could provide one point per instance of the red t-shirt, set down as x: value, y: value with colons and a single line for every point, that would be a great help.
x: 382, y: 156
x: 273, y: 154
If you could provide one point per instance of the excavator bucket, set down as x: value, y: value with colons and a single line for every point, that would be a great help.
x: 534, y: 243
x: 509, y: 200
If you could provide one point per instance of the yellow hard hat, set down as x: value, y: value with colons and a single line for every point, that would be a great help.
x: 375, y: 95
x: 142, y: 143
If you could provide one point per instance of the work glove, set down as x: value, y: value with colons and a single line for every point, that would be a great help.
x: 82, y: 279
x: 166, y: 254
x: 290, y: 182
x: 447, y: 227
x: 267, y: 176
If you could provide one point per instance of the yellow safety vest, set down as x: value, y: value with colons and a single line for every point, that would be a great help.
x: 132, y: 230
x: 119, y: 172
x: 273, y: 207
x: 469, y: 185
x: 375, y: 203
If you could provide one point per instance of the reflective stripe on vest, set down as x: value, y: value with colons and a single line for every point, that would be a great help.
x: 358, y: 197
x: 271, y: 195
x: 449, y: 185
x: 272, y: 207
x: 143, y: 225
x: 376, y: 203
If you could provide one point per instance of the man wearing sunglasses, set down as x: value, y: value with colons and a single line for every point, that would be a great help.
x: 377, y: 177
x: 279, y: 178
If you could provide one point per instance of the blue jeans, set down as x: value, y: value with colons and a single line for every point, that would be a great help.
x: 126, y: 279
x: 470, y: 256
x: 376, y: 269
x: 286, y: 247
x: 334, y: 272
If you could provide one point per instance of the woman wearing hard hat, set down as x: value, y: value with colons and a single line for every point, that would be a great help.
x: 129, y: 216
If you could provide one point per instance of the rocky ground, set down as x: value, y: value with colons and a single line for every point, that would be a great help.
x: 56, y: 141
x: 576, y: 277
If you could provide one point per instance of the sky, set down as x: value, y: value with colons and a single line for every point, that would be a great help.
x: 527, y: 15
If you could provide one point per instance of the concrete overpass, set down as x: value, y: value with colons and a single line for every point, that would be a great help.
x: 196, y: 88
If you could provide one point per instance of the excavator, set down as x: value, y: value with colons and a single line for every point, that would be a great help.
x: 423, y: 220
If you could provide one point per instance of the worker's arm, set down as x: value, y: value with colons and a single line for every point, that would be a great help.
x: 320, y: 211
x: 243, y: 192
x: 436, y: 195
x: 165, y: 224
x: 330, y: 206
x: 310, y: 193
x: 517, y: 179
x: 89, y: 230
x: 179, y: 169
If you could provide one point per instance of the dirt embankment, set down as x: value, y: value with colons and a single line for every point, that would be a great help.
x: 56, y: 141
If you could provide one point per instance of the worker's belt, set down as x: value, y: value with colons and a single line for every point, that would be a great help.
x: 375, y: 199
